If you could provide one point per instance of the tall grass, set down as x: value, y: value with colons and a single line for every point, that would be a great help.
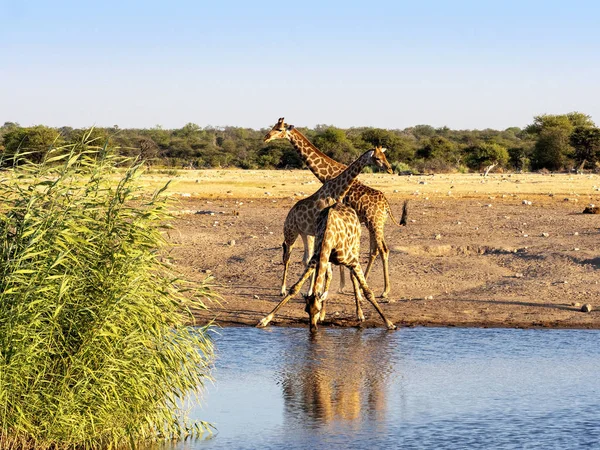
x: 94, y: 347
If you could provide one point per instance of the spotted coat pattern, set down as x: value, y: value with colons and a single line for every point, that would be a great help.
x: 301, y: 218
x: 370, y: 204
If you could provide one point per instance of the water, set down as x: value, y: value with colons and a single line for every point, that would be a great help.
x: 414, y: 388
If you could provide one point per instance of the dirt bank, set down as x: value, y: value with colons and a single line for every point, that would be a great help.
x: 478, y: 260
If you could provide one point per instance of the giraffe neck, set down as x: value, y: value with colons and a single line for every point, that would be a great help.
x: 318, y: 162
x: 339, y: 186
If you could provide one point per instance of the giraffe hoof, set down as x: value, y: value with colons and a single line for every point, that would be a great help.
x: 361, y: 317
x: 384, y: 295
x: 391, y: 326
x: 263, y: 323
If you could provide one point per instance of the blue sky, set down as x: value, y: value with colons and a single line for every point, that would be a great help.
x: 462, y: 64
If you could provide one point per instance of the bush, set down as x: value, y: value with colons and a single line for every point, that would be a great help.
x: 402, y: 168
x: 95, y: 350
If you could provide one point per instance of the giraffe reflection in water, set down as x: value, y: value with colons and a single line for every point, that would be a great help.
x: 338, y: 378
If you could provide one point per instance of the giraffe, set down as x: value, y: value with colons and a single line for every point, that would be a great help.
x: 370, y: 204
x: 300, y: 220
x: 331, y: 193
x: 337, y: 241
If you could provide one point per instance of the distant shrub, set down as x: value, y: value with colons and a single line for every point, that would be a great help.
x: 403, y: 168
x: 434, y: 165
x: 95, y: 347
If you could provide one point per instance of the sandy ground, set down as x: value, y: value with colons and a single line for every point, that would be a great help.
x: 474, y: 253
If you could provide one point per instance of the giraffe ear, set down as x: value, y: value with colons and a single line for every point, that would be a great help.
x: 290, y: 127
x: 280, y: 120
x: 383, y: 149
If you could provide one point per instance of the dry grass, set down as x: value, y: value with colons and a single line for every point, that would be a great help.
x: 300, y: 183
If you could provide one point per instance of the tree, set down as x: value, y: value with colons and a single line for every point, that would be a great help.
x: 32, y: 141
x: 486, y: 156
x: 422, y: 131
x: 438, y: 147
x: 334, y: 143
x: 398, y: 147
x: 586, y: 142
x: 552, y: 150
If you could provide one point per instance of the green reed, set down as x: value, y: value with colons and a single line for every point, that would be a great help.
x: 96, y: 350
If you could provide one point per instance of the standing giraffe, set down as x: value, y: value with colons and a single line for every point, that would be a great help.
x: 331, y: 192
x: 370, y: 204
x: 337, y: 241
x: 301, y: 218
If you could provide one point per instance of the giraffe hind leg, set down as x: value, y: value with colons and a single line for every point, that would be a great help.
x: 373, y: 251
x: 357, y: 272
x: 342, y: 280
x: 357, y: 297
x: 385, y: 253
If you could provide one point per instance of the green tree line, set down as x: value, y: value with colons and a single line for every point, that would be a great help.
x: 552, y: 142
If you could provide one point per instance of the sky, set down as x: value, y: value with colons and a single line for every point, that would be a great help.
x: 388, y: 64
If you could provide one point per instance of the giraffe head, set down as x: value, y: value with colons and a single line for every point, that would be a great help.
x: 379, y: 159
x: 280, y: 130
x: 314, y: 304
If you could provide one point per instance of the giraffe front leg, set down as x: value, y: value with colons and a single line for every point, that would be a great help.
x: 287, y: 250
x: 357, y: 271
x: 328, y: 278
x: 357, y: 298
x: 293, y: 291
x: 308, y: 252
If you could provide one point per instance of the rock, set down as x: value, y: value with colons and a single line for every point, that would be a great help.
x: 231, y: 243
x: 586, y: 308
x: 527, y: 202
x: 591, y: 210
x: 207, y: 271
x: 438, y: 237
x: 576, y: 304
x: 576, y: 234
x: 518, y: 275
x: 256, y: 297
x: 545, y: 234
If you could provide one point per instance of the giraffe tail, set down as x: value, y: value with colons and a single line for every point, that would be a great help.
x: 404, y: 217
